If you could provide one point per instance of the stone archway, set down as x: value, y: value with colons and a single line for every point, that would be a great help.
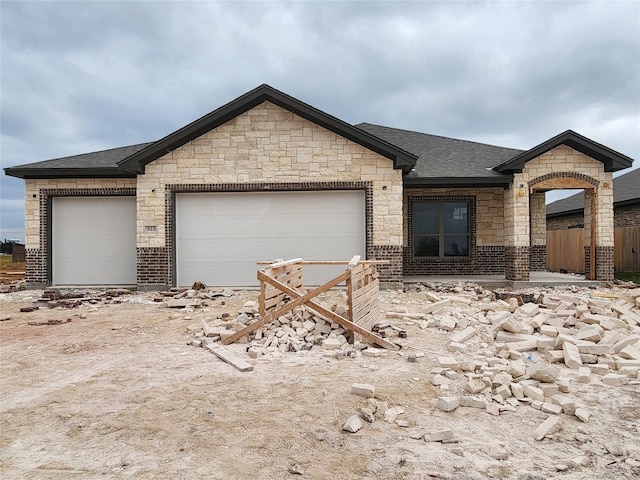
x: 559, y: 181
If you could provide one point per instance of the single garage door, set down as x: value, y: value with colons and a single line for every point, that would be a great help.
x: 221, y: 236
x: 93, y: 241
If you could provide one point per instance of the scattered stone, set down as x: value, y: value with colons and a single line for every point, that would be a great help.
x: 496, y: 450
x: 614, y: 380
x: 571, y: 355
x: 441, y: 435
x: 548, y: 427
x: 582, y: 414
x: 353, y: 424
x: 526, y: 475
x: 363, y: 389
x: 448, y: 404
x: 296, y: 469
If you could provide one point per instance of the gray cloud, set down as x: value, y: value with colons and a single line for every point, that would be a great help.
x: 83, y: 76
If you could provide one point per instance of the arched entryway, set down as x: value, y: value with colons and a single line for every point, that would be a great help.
x: 538, y: 236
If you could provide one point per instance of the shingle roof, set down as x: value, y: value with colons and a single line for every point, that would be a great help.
x: 626, y: 189
x: 447, y: 158
x: 95, y: 164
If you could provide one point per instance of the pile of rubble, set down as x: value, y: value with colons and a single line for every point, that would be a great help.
x: 297, y: 330
x: 507, y: 353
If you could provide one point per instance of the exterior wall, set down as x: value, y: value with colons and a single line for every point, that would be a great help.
x: 486, y: 218
x: 627, y: 216
x: 537, y: 253
x: 561, y: 167
x: 575, y: 220
x: 37, y: 212
x: 268, y: 148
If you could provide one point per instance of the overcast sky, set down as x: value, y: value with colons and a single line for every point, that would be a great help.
x: 84, y: 76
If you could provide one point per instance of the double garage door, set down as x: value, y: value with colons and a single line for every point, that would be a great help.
x: 219, y: 237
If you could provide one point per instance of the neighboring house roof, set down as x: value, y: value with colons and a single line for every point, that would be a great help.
x: 96, y: 164
x: 613, y: 161
x: 447, y: 161
x: 626, y: 191
x: 264, y: 93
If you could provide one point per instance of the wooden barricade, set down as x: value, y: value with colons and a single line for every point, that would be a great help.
x: 281, y: 290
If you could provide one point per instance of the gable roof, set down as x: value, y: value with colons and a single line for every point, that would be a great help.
x: 264, y: 93
x: 447, y: 161
x: 101, y: 164
x: 612, y: 160
x: 626, y: 191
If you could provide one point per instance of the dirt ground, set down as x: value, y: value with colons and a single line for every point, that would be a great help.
x: 114, y: 391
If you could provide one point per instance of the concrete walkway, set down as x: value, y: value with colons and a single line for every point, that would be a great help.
x: 536, y: 279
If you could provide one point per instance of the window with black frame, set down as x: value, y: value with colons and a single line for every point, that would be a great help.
x: 440, y: 229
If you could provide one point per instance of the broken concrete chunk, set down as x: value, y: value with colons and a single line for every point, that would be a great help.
x: 464, y: 335
x: 543, y: 373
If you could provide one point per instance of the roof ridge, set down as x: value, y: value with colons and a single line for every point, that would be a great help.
x: 440, y: 136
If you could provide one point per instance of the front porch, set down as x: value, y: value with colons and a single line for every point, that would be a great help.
x: 536, y: 279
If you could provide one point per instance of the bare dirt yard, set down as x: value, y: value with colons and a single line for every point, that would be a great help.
x: 112, y: 389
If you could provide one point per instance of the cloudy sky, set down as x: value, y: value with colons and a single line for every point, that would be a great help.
x: 84, y: 76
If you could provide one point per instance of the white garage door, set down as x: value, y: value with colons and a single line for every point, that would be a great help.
x: 93, y: 241
x: 220, y: 236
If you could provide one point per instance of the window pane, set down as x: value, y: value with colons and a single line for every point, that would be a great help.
x: 456, y: 246
x: 426, y: 246
x: 425, y: 217
x: 455, y: 218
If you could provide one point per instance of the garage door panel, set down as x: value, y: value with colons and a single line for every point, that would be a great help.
x: 220, y: 236
x: 93, y: 241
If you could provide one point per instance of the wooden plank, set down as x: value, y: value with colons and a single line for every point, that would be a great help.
x: 284, y: 262
x: 229, y: 357
x: 298, y: 299
x: 337, y: 318
x: 370, y: 319
x: 366, y: 291
x: 332, y: 262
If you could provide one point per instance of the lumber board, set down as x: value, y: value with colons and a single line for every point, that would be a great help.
x: 229, y: 357
x: 332, y: 262
x: 366, y: 291
x: 336, y: 318
x: 369, y: 319
x: 284, y: 263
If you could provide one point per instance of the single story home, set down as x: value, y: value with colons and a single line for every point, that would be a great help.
x: 268, y: 176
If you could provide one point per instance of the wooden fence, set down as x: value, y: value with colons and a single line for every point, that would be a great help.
x: 565, y: 250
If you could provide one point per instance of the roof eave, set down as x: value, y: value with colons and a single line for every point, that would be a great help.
x: 136, y: 162
x: 438, y: 182
x: 30, y: 173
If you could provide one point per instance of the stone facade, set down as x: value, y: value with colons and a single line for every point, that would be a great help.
x: 264, y: 148
x: 560, y: 167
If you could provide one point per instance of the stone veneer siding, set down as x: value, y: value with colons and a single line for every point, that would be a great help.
x: 560, y: 166
x: 266, y: 149
x: 39, y: 194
